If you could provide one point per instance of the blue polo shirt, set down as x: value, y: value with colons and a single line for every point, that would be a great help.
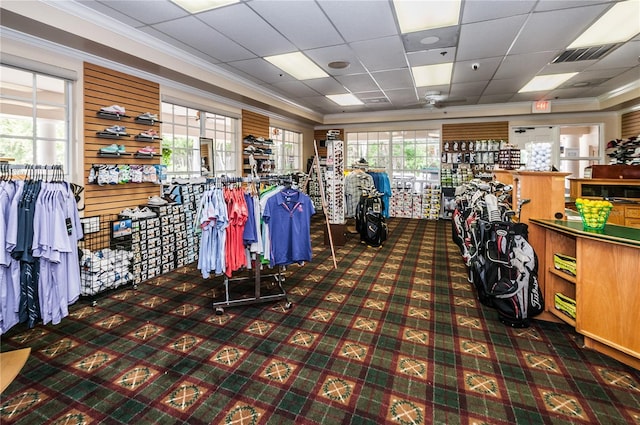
x: 288, y: 215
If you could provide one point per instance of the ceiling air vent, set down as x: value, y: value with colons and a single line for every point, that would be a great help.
x: 585, y: 53
x: 376, y: 100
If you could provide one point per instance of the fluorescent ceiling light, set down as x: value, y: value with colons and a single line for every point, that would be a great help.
x: 432, y: 75
x: 546, y: 82
x: 615, y: 26
x: 197, y: 6
x: 423, y: 15
x: 346, y: 99
x: 297, y: 65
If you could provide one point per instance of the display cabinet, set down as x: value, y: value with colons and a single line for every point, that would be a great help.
x: 605, y: 286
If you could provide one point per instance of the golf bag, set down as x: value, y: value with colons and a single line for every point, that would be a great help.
x: 502, y: 265
x: 370, y: 223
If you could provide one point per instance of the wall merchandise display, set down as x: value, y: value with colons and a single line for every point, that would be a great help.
x: 334, y: 175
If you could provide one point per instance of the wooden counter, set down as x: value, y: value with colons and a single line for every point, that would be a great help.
x: 606, y: 287
x: 623, y: 193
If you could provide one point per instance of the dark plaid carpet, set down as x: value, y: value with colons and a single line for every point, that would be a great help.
x: 395, y: 336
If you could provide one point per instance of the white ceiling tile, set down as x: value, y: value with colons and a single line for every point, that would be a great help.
x: 565, y: 93
x: 326, y: 86
x: 323, y: 56
x: 627, y: 77
x: 262, y: 70
x: 104, y: 8
x: 471, y: 89
x: 381, y: 54
x: 432, y: 57
x: 233, y: 21
x: 361, y: 20
x: 488, y: 39
x: 394, y: 79
x: 238, y: 73
x: 510, y: 85
x: 190, y: 30
x: 142, y: 11
x: 295, y: 89
x: 463, y: 71
x: 517, y: 65
x: 301, y: 22
x: 357, y: 82
x: 177, y: 44
x: 486, y: 10
x: 561, y: 27
x: 544, y: 5
x: 627, y: 55
x: 402, y: 96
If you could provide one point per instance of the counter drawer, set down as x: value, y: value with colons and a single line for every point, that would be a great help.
x: 632, y: 222
x: 632, y: 212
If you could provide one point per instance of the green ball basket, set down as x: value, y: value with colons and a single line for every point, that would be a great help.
x: 593, y: 218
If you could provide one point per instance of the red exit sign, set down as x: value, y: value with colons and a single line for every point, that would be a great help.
x: 541, y: 107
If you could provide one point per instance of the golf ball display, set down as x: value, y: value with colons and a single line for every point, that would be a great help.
x: 594, y: 213
x: 539, y: 156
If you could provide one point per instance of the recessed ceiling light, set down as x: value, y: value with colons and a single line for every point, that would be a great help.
x: 338, y: 64
x: 430, y: 40
x: 546, y: 82
x: 346, y: 99
x: 423, y: 15
x: 297, y: 65
x: 615, y: 26
x: 432, y: 75
x: 197, y: 6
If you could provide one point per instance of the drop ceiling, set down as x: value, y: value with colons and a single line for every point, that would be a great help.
x: 510, y: 41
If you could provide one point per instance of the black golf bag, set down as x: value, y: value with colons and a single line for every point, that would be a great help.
x: 505, y: 273
x: 370, y: 223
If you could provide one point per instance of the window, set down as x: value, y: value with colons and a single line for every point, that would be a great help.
x: 372, y: 146
x: 411, y: 155
x: 222, y: 130
x: 287, y: 149
x: 182, y: 131
x: 34, y: 117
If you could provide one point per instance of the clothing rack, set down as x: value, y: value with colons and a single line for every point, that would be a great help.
x: 32, y: 171
x: 255, y: 287
x: 263, y: 290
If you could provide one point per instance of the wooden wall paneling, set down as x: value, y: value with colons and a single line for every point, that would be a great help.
x: 106, y: 87
x: 630, y: 125
x: 255, y: 124
x: 498, y: 130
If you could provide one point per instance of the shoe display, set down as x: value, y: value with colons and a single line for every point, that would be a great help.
x: 147, y: 150
x: 150, y: 134
x: 111, y: 149
x: 116, y: 129
x: 156, y: 201
x: 147, y: 116
x: 113, y: 109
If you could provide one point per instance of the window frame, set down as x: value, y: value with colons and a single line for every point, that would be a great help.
x: 283, y: 138
x: 35, y: 99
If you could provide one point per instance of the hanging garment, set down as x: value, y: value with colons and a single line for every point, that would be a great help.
x: 9, y: 266
x: 355, y: 183
x: 56, y: 232
x: 212, y: 220
x: 288, y: 217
